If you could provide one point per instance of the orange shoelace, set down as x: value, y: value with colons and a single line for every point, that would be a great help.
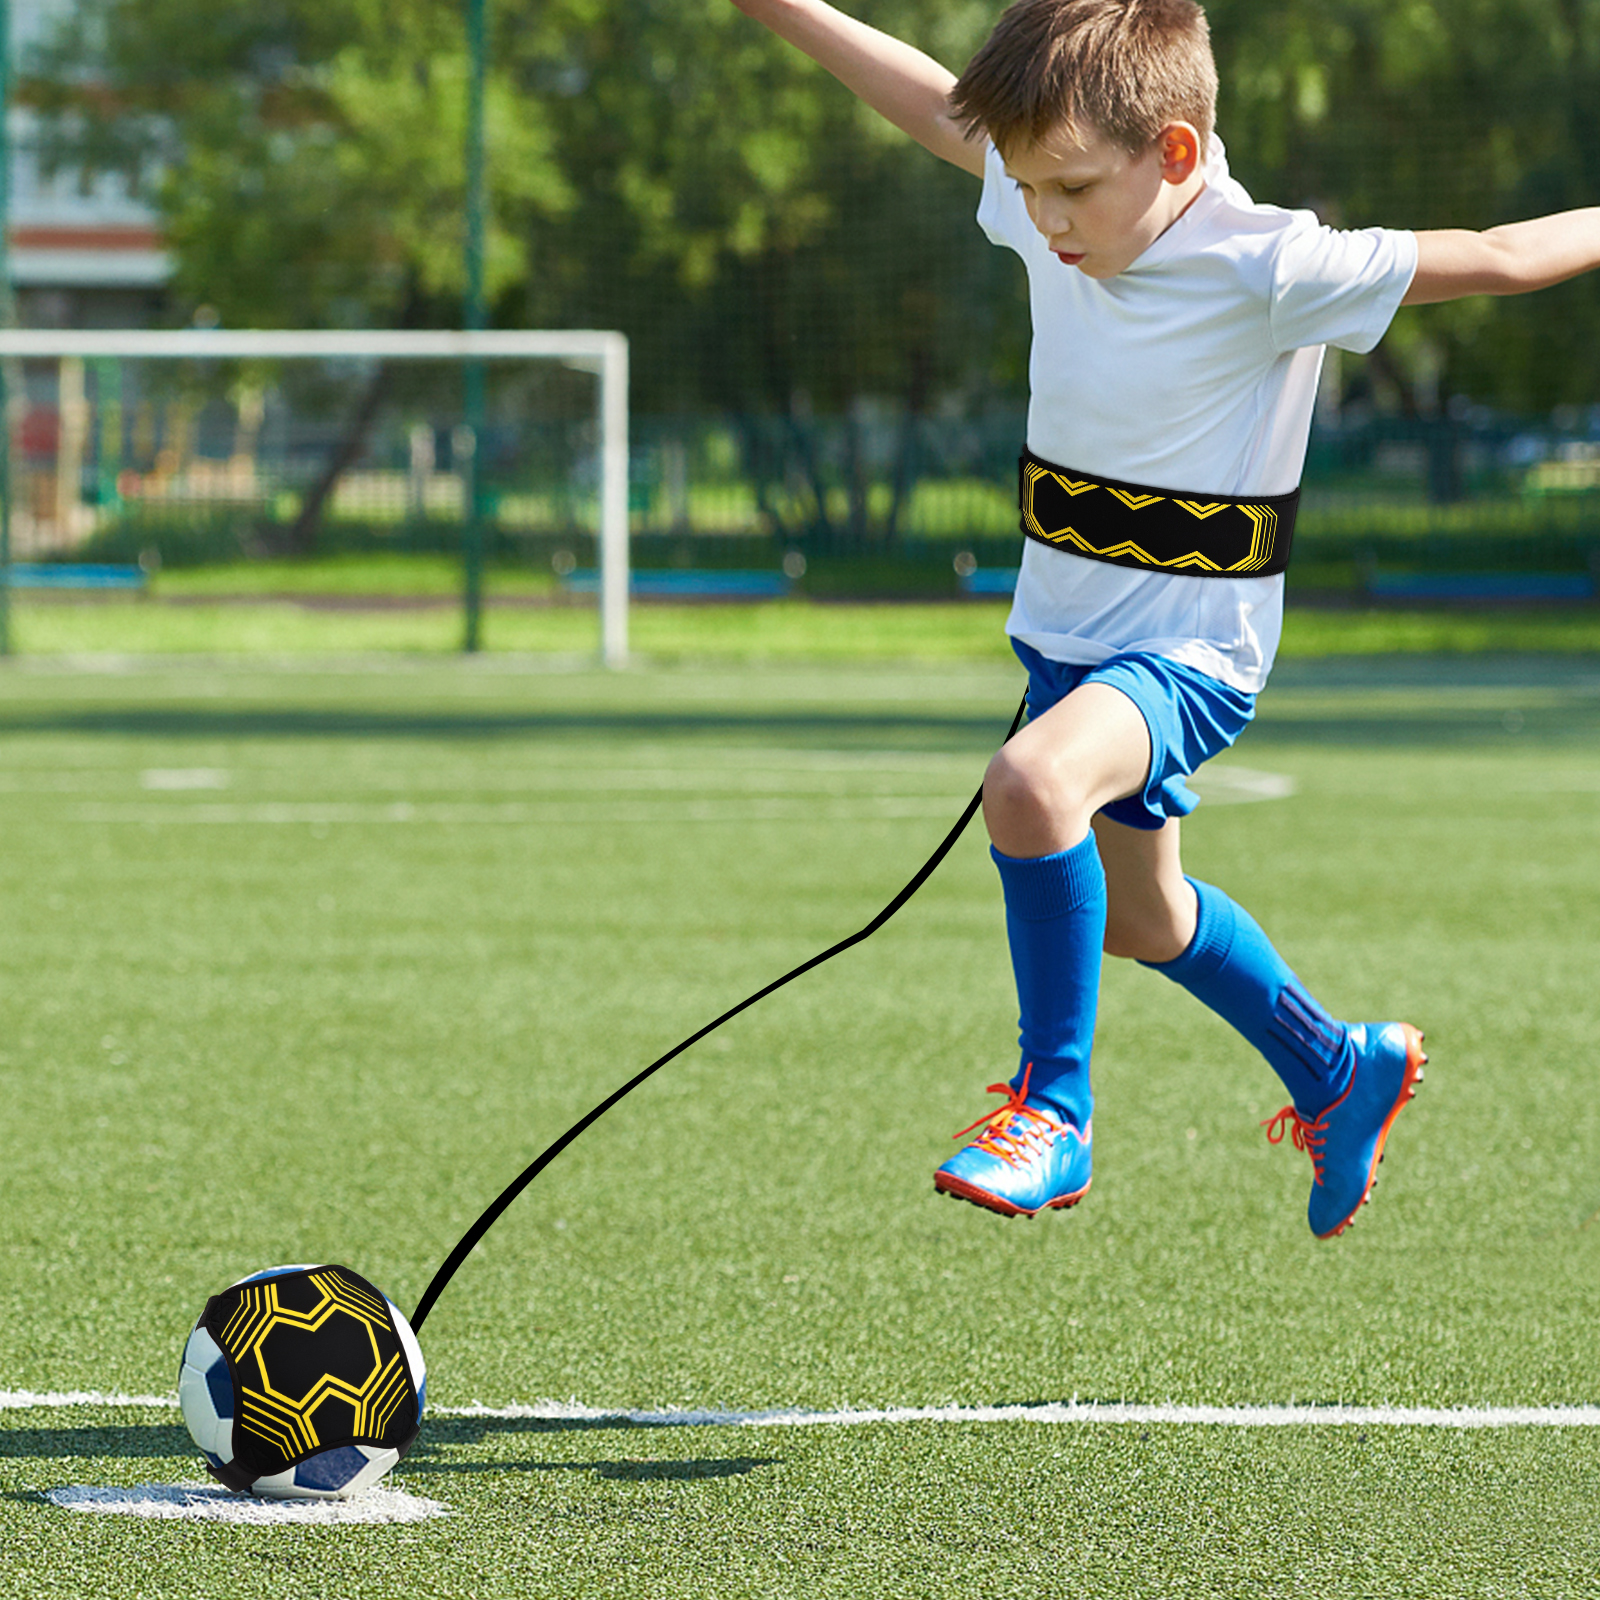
x: 1008, y: 1131
x: 1305, y: 1133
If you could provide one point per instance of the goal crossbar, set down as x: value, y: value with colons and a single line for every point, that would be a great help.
x: 604, y: 353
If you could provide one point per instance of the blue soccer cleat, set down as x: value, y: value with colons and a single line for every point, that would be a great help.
x: 1025, y: 1161
x: 1345, y: 1140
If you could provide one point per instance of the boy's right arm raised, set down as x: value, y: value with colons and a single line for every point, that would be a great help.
x: 900, y: 83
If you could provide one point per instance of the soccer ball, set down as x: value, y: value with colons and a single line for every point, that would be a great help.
x: 301, y: 1383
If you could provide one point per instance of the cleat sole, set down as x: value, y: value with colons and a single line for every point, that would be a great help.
x: 1408, y: 1092
x: 960, y: 1189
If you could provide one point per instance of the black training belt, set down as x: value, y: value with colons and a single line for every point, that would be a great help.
x: 1155, y: 530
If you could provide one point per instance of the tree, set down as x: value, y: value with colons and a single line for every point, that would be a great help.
x: 775, y: 253
x: 667, y: 168
x: 307, y: 163
x: 1444, y: 113
x: 305, y: 155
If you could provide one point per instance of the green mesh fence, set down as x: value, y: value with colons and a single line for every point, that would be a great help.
x: 828, y: 358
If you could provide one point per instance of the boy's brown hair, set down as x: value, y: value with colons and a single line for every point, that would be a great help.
x: 1124, y: 67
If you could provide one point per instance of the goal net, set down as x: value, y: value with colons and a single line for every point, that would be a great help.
x: 180, y: 447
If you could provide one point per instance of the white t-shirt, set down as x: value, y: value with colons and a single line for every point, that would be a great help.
x: 1196, y: 368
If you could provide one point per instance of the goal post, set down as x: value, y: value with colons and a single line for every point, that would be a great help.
x: 604, y: 354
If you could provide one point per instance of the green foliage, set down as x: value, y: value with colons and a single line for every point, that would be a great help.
x: 1437, y: 114
x: 763, y: 240
x: 674, y: 170
x: 305, y: 158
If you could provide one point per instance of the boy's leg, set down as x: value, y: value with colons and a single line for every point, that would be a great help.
x: 1198, y: 937
x: 1347, y: 1081
x: 1040, y: 793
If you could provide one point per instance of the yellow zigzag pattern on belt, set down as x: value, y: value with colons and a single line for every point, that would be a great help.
x: 287, y: 1421
x: 1263, y: 519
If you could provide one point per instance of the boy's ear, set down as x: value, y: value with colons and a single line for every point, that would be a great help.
x: 1178, y: 146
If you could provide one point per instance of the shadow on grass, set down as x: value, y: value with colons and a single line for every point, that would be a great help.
x: 677, y: 1471
x: 140, y: 1441
x: 1574, y: 720
x: 1455, y: 701
x: 871, y: 728
x: 1425, y: 701
x: 1460, y: 729
x: 457, y: 1431
x: 123, y: 1441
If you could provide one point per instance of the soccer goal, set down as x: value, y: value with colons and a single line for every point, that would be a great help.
x: 151, y: 447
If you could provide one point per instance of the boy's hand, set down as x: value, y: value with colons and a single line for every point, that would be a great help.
x: 1453, y: 263
x: 908, y: 88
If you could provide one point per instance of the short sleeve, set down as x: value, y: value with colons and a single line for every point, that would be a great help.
x: 1002, y: 213
x: 1340, y: 288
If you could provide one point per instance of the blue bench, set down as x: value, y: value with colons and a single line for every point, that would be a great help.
x: 76, y: 575
x: 989, y: 580
x: 690, y: 584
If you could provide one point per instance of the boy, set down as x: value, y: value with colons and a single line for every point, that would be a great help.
x: 1178, y: 332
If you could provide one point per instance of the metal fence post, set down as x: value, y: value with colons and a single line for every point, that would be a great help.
x: 472, y: 539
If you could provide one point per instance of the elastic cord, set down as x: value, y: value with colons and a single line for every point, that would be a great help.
x: 476, y: 1232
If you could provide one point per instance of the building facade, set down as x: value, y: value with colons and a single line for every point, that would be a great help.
x: 84, y: 253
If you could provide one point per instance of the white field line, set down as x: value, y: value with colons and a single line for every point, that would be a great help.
x: 181, y: 778
x: 625, y: 796
x: 1061, y: 1412
x: 832, y: 779
x: 673, y: 812
x: 67, y: 1399
x: 1230, y: 786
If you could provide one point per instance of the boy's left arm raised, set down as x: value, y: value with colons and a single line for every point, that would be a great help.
x: 900, y: 83
x: 1515, y: 258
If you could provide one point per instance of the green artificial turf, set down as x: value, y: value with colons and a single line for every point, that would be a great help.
x: 340, y: 606
x: 307, y: 962
x: 413, y: 576
x: 1010, y: 1510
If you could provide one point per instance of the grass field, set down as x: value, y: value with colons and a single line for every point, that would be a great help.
x: 306, y: 961
x: 409, y: 604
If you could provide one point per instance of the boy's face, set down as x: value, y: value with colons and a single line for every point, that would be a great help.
x: 1099, y: 207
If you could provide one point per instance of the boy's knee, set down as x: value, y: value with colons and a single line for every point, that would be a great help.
x: 1006, y: 781
x: 1018, y: 783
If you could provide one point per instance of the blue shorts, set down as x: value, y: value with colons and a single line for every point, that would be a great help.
x: 1190, y: 717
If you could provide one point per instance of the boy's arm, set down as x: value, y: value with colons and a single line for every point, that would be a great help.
x: 898, y: 82
x: 1512, y: 259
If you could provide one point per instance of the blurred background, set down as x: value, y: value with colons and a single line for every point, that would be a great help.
x: 828, y: 359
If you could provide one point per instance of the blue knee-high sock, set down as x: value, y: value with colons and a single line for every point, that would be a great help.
x: 1056, y: 922
x: 1231, y: 966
